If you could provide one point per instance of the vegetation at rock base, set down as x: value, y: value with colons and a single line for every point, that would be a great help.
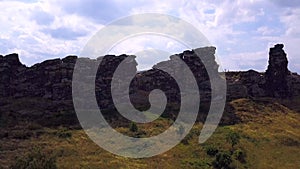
x: 269, y: 138
x: 222, y: 161
x: 233, y: 138
x: 36, y: 159
x: 63, y: 133
x: 211, y: 150
x: 133, y: 127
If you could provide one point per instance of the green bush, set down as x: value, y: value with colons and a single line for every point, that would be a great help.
x: 211, y: 150
x: 63, y: 133
x: 35, y: 160
x: 233, y: 138
x: 240, y: 155
x: 133, y: 127
x: 222, y: 161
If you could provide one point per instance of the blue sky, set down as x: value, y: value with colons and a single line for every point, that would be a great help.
x: 242, y: 31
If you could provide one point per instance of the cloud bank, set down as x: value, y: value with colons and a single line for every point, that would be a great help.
x: 241, y: 30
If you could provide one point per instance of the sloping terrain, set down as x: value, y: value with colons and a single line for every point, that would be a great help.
x: 269, y: 138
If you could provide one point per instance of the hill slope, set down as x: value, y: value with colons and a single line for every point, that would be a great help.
x: 270, y: 138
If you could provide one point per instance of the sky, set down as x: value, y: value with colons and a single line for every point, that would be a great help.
x: 242, y: 31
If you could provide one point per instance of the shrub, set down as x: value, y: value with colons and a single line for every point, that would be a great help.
x: 141, y: 134
x: 34, y: 126
x: 133, y: 127
x: 185, y: 141
x: 194, y: 163
x: 35, y: 160
x: 63, y: 133
x: 240, y: 155
x: 189, y: 136
x: 233, y: 138
x: 20, y: 134
x: 222, y: 161
x: 211, y: 150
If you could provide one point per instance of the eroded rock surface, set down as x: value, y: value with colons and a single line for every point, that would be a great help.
x: 51, y: 81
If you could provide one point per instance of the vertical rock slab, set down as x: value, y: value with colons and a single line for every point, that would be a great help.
x: 277, y: 72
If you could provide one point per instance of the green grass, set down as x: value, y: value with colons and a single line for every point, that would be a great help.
x: 270, y: 138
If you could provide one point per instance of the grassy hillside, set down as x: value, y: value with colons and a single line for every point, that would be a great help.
x: 269, y: 138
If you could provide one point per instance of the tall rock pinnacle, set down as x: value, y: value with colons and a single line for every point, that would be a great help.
x: 277, y: 72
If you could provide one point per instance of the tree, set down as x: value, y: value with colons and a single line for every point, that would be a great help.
x: 233, y: 138
x: 133, y: 127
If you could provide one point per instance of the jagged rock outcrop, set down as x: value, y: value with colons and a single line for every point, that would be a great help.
x: 198, y: 61
x: 51, y: 81
x: 10, y: 70
x: 293, y: 82
x: 276, y: 82
x: 277, y: 73
x: 245, y: 84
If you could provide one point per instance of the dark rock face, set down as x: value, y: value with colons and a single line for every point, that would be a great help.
x: 154, y: 78
x: 50, y: 79
x: 10, y: 70
x: 293, y: 82
x: 245, y: 84
x: 196, y: 66
x: 41, y: 93
x: 277, y: 72
x: 51, y: 83
x: 276, y: 82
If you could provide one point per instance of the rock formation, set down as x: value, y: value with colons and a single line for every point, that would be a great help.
x: 50, y: 79
x: 276, y: 82
x: 10, y: 69
x: 277, y: 72
x: 51, y: 83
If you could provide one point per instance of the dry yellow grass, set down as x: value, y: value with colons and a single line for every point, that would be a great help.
x: 270, y: 136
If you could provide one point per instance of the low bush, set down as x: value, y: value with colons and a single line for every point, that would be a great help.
x: 240, y: 155
x: 63, y: 133
x: 20, y: 134
x: 35, y: 160
x: 233, y: 138
x: 133, y: 127
x: 211, y: 150
x: 222, y: 161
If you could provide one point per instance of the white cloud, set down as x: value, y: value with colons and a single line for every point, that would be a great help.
x: 241, y: 30
x: 265, y: 30
x: 246, y: 61
x: 39, y: 30
x: 147, y: 52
